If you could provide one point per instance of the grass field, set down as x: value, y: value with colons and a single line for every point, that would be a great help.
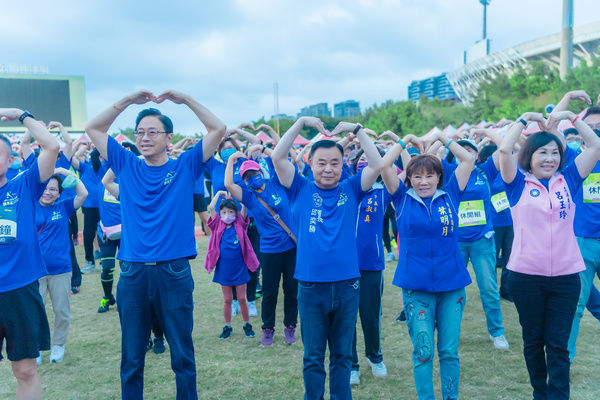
x: 240, y: 369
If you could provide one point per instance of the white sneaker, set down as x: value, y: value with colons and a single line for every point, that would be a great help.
x: 235, y: 308
x: 252, y: 311
x: 38, y: 359
x: 389, y: 257
x: 500, y: 342
x: 379, y: 370
x: 354, y: 377
x: 57, y: 354
x: 89, y: 267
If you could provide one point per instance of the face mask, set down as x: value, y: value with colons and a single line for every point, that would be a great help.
x: 361, y: 165
x: 16, y: 164
x: 574, y: 145
x: 229, y: 218
x: 256, y: 182
x: 225, y: 154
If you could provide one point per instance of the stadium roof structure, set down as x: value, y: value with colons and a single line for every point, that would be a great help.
x: 465, y: 80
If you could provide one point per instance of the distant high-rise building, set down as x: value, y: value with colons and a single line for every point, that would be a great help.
x: 282, y: 116
x: 348, y: 108
x: 436, y: 86
x: 315, y: 110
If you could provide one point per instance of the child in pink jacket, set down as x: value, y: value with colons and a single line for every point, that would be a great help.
x: 230, y: 255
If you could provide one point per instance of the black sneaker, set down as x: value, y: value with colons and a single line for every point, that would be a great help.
x: 248, y: 330
x: 159, y: 345
x: 104, y: 305
x: 227, y: 332
x: 402, y: 317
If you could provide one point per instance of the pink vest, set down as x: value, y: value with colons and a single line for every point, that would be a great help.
x: 544, y: 241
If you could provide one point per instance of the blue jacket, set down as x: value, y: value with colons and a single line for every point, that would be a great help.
x: 429, y: 256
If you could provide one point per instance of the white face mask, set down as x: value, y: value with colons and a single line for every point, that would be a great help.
x: 229, y: 218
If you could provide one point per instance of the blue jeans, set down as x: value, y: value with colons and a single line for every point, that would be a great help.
x: 328, y: 316
x: 424, y: 313
x: 593, y: 304
x: 482, y: 253
x: 167, y: 287
x: 590, y: 251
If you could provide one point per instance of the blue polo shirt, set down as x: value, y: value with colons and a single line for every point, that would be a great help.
x: 326, y: 229
x: 52, y: 225
x: 429, y: 257
x: 273, y: 238
x: 370, y: 227
x: 157, y: 204
x: 109, y: 206
x: 22, y: 261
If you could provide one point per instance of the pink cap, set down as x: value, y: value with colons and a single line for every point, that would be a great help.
x: 249, y: 165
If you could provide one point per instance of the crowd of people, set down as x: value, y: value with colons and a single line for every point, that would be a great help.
x: 521, y: 197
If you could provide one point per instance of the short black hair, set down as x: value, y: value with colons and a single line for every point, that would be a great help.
x: 591, y: 111
x: 325, y: 144
x: 534, y: 142
x: 228, y: 203
x: 486, y: 152
x: 131, y: 147
x: 7, y: 142
x: 153, y: 112
x: 570, y: 131
x: 59, y: 179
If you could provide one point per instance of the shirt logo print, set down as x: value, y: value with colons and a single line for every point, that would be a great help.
x: 169, y: 178
x: 318, y: 200
x: 276, y: 199
x: 534, y: 192
x: 11, y: 199
x: 342, y: 199
x: 56, y: 215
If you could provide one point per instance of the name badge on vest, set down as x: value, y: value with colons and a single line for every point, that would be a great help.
x: 591, y: 188
x: 8, y: 225
x: 500, y: 202
x: 471, y: 213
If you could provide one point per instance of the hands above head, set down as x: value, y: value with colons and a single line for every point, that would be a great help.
x: 172, y: 95
x: 534, y: 117
x: 389, y: 134
x: 54, y: 125
x: 247, y: 125
x: 224, y: 194
x: 342, y: 127
x: 315, y: 123
x: 9, y: 114
x: 580, y: 95
x: 555, y: 118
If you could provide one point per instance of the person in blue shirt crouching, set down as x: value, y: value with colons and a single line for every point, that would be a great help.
x: 327, y: 271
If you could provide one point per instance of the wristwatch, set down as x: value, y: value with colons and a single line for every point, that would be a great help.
x: 358, y: 128
x: 25, y: 115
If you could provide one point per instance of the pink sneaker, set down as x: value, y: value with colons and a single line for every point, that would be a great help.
x: 267, y: 338
x: 290, y: 335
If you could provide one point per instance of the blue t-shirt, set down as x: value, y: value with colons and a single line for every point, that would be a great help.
x: 52, y: 225
x: 157, y: 204
x: 475, y: 208
x: 514, y: 190
x: 22, y: 261
x: 199, y: 186
x: 216, y: 170
x: 273, y: 238
x: 231, y: 269
x: 109, y: 206
x: 587, y: 209
x: 569, y: 156
x: 90, y: 181
x: 326, y: 223
x: 370, y: 227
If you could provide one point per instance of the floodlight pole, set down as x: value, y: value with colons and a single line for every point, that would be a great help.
x: 566, y: 47
x: 276, y: 103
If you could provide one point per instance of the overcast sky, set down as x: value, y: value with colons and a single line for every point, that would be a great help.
x: 227, y: 54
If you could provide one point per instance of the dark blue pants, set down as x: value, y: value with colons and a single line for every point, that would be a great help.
x: 274, y: 266
x: 328, y: 316
x: 369, y: 308
x: 546, y: 307
x: 167, y: 288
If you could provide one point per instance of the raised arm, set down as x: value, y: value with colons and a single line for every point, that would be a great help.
x: 233, y: 188
x: 466, y: 163
x: 283, y: 167
x: 97, y: 127
x: 587, y: 160
x: 108, y: 181
x: 213, y: 202
x: 26, y: 150
x: 253, y: 139
x: 81, y: 192
x: 215, y: 128
x: 375, y: 162
x: 507, y: 159
x: 68, y: 150
x: 271, y: 132
x: 48, y: 144
x: 389, y: 172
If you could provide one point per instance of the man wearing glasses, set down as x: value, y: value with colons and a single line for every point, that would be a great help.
x: 157, y: 238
